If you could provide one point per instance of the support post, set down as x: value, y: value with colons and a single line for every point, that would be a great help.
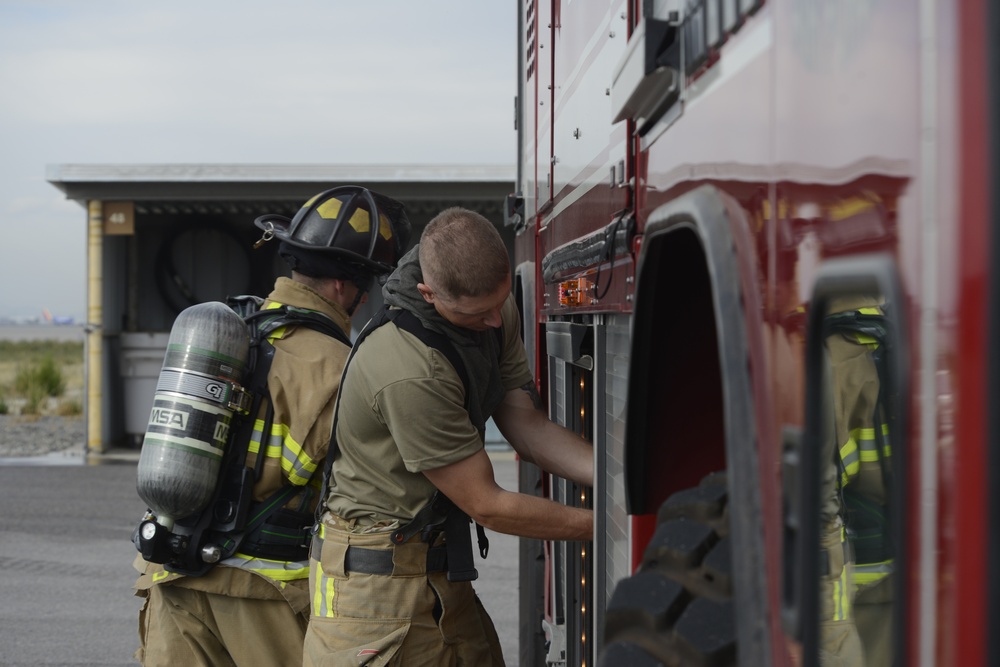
x: 94, y: 367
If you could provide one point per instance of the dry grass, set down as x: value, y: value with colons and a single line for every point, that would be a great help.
x: 21, y: 362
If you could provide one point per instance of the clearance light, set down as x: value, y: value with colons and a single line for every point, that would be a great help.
x: 574, y: 292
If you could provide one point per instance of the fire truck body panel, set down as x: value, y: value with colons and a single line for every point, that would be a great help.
x: 682, y: 229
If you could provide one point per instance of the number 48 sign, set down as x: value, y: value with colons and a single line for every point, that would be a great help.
x: 119, y: 217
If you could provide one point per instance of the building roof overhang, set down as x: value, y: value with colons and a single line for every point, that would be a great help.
x: 259, y: 188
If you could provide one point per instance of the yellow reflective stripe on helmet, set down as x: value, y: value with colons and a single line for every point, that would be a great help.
x: 384, y: 228
x: 276, y: 570
x: 361, y: 222
x: 328, y: 209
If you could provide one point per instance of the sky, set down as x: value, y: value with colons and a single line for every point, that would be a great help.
x: 235, y: 82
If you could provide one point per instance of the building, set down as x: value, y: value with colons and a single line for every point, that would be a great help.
x: 163, y: 237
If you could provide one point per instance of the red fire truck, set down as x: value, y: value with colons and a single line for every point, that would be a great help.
x: 716, y: 199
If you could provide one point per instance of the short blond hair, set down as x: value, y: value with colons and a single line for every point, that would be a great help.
x: 463, y: 254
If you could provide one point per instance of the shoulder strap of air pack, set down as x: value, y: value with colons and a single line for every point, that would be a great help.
x: 407, y: 321
x: 264, y: 321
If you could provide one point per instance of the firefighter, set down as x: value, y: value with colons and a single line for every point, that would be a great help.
x: 857, y: 346
x: 391, y: 573
x: 252, y: 609
x: 839, y: 638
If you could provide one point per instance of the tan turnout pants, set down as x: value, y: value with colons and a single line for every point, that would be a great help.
x: 409, y: 617
x: 840, y: 645
x: 182, y: 626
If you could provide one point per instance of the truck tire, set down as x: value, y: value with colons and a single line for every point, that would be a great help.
x: 677, y: 609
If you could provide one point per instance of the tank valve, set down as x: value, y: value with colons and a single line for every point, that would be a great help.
x: 210, y: 553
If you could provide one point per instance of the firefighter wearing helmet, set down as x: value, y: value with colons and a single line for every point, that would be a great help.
x: 252, y: 607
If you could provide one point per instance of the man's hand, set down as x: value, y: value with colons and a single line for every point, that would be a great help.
x: 471, y: 485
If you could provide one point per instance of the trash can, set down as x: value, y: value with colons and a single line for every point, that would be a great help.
x: 142, y: 356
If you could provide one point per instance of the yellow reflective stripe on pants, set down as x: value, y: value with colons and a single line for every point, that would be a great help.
x: 842, y: 588
x: 278, y: 570
x: 323, y: 592
x: 841, y: 597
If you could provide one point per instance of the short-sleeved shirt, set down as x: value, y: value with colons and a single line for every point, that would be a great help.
x: 402, y: 412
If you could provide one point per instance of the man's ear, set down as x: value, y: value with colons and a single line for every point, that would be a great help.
x: 426, y: 292
x: 339, y: 285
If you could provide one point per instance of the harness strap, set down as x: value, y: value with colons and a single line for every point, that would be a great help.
x: 409, y: 322
x: 459, y: 544
x: 274, y: 318
x: 430, y: 516
x: 442, y: 512
x: 264, y: 509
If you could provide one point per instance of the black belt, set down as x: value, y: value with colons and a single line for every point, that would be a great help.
x: 379, y: 561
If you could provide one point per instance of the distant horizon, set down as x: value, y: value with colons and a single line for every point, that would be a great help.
x: 27, y: 332
x: 62, y: 320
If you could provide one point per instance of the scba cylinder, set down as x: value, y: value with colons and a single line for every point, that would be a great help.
x: 198, y: 393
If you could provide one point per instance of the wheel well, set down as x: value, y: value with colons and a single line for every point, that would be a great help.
x: 676, y: 418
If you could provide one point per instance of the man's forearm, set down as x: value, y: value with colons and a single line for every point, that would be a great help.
x: 560, y: 452
x: 541, y: 441
x: 530, y: 516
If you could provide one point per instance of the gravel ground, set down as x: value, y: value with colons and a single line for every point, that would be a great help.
x: 38, y: 436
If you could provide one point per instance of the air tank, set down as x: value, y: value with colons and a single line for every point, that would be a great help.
x: 198, y: 393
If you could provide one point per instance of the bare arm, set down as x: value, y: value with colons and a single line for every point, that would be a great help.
x: 541, y: 441
x: 470, y: 484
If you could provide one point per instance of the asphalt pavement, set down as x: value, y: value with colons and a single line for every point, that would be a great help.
x: 66, y: 562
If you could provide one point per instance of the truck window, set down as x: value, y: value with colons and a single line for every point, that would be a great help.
x: 852, y: 454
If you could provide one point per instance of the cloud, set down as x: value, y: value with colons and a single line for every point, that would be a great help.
x: 317, y: 65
